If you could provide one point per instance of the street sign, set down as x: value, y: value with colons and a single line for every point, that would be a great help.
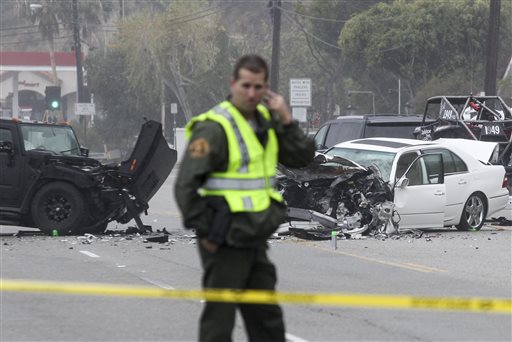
x: 174, y: 108
x: 300, y: 114
x: 300, y: 92
x: 85, y: 109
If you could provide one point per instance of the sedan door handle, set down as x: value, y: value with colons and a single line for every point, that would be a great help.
x: 462, y: 181
x: 439, y: 193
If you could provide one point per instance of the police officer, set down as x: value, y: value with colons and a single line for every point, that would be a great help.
x: 225, y: 191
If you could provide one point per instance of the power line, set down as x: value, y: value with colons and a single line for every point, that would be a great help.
x: 17, y: 34
x: 195, y: 13
x: 16, y: 27
x: 330, y: 44
x: 192, y: 19
x: 310, y: 34
x: 315, y: 18
x: 344, y: 21
x: 203, y: 11
x: 32, y: 41
x: 174, y: 21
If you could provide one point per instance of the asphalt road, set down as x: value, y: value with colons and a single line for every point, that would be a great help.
x: 440, y: 263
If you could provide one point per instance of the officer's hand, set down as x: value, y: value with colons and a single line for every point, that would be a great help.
x: 276, y: 104
x: 209, y: 246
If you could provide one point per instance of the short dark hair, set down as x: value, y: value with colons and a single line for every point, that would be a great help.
x: 253, y: 63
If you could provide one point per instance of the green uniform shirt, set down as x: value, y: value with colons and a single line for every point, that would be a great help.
x: 208, y: 152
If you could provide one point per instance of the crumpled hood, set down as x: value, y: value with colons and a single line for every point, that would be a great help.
x: 337, y: 193
x: 77, y: 160
x: 323, y: 167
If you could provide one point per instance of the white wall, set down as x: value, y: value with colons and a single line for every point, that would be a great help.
x: 181, y: 143
x: 33, y: 80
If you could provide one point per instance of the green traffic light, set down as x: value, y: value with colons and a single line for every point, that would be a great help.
x: 55, y: 104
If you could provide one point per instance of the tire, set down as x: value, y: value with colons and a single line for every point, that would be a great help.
x: 473, y: 213
x: 58, y: 205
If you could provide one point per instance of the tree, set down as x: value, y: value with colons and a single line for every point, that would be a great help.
x: 45, y: 16
x: 121, y: 107
x: 212, y: 85
x: 168, y: 47
x: 418, y: 40
x: 52, y: 14
x: 321, y: 23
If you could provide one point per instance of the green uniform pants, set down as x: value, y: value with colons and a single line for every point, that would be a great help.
x: 239, y: 268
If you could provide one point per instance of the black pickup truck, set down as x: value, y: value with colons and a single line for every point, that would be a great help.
x: 47, y: 180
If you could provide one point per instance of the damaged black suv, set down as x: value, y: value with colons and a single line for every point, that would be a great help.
x: 47, y: 180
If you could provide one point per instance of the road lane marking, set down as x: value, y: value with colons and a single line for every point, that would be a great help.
x: 408, y: 266
x: 89, y: 254
x: 157, y: 283
x: 357, y: 300
x: 293, y: 338
x: 434, y: 269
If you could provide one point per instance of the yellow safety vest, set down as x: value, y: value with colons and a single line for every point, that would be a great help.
x: 248, y: 183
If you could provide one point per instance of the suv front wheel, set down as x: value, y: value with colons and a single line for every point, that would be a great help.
x: 58, y: 206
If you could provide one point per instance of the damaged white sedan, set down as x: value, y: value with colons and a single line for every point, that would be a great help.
x: 380, y: 184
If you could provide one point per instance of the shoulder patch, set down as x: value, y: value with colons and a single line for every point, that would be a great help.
x: 199, y: 148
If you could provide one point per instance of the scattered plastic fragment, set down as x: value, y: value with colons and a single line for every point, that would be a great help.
x: 158, y: 238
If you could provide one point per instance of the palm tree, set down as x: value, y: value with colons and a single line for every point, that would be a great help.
x: 49, y: 28
x: 51, y: 14
x: 45, y: 16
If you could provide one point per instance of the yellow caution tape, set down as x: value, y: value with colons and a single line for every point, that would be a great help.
x: 482, y: 305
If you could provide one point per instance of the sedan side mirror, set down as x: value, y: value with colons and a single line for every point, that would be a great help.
x: 402, y: 183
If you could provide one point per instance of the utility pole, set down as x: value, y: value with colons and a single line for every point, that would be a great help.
x: 276, y: 44
x: 492, y: 48
x: 399, y: 97
x: 121, y: 8
x: 78, y: 57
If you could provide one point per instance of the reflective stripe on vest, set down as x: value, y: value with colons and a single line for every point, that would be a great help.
x: 237, y: 184
x: 241, y: 143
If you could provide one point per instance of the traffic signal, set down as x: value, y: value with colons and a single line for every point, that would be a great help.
x: 53, y: 99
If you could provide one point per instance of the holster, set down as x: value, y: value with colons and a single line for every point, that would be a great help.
x: 221, y: 219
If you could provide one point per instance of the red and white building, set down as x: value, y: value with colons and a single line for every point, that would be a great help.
x: 24, y: 77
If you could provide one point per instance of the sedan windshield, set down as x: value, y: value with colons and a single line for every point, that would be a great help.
x: 383, y: 160
x: 59, y: 139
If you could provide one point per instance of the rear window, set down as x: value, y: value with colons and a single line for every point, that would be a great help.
x: 340, y: 132
x: 403, y: 130
x: 452, y: 162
